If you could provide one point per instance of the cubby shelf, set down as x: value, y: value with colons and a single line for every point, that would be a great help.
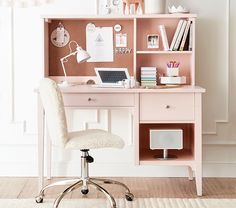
x: 184, y: 157
x: 164, y: 52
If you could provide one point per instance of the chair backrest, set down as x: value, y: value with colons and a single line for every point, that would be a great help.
x: 53, y: 105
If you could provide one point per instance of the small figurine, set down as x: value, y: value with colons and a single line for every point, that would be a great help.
x: 137, y: 3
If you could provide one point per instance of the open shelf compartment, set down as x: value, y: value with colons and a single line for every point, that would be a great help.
x: 160, y: 60
x: 185, y: 156
x: 157, y: 57
x: 150, y: 26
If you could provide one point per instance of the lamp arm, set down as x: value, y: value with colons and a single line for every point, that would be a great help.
x: 71, y: 54
x: 63, y: 61
x: 64, y: 70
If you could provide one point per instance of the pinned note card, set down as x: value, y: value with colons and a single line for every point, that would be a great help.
x: 121, y: 40
x: 99, y: 44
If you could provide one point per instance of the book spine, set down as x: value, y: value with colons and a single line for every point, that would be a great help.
x: 148, y: 79
x: 190, y: 48
x: 176, y: 34
x: 185, y: 36
x: 148, y: 75
x: 180, y: 36
x: 148, y: 72
x: 148, y: 68
x: 164, y: 38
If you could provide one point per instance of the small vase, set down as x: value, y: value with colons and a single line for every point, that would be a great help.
x: 155, y: 6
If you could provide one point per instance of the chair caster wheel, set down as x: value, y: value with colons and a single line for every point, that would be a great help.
x: 84, y: 191
x: 39, y: 199
x: 129, y: 196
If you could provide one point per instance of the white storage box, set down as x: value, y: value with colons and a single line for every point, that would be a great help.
x: 173, y: 80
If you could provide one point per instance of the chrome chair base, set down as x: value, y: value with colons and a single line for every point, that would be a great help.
x: 84, y: 182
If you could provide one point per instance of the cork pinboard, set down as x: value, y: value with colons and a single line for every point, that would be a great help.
x: 77, y: 31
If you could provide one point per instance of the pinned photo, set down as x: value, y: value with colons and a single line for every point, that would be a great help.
x: 153, y: 41
x: 121, y: 40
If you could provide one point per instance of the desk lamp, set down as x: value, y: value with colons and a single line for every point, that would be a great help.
x: 81, y: 56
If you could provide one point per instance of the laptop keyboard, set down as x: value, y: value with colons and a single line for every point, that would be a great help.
x: 112, y: 76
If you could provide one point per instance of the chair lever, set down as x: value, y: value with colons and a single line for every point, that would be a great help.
x: 89, y: 159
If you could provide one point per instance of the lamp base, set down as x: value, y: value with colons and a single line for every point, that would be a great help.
x: 64, y: 84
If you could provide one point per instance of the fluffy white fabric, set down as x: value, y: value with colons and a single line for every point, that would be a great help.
x: 56, y: 121
x: 54, y: 111
x: 93, y: 139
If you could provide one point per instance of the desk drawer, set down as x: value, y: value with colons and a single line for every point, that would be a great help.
x: 99, y: 100
x: 166, y: 107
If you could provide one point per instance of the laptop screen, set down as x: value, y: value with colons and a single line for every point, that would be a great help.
x: 112, y: 76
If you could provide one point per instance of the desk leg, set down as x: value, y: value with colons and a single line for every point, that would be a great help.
x: 40, y: 144
x: 198, y: 143
x: 108, y: 120
x: 49, y: 154
x: 198, y: 175
x: 131, y: 127
x: 136, y: 129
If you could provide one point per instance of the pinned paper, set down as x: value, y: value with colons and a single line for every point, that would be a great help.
x: 121, y: 40
x: 99, y: 44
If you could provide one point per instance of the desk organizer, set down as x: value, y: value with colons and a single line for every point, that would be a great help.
x: 173, y: 80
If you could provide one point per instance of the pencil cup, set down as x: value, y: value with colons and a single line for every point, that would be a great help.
x: 172, y: 72
x: 155, y: 6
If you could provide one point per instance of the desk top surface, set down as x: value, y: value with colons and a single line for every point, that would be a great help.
x: 158, y: 89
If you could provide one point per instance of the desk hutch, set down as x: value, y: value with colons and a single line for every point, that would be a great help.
x: 159, y: 108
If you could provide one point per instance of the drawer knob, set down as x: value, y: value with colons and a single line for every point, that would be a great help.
x: 167, y: 106
x: 90, y: 99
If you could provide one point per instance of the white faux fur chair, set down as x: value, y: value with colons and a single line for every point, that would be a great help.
x: 82, y: 140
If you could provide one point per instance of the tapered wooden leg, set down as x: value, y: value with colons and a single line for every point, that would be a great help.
x: 198, y: 143
x: 198, y: 177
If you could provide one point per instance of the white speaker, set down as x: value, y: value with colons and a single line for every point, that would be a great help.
x: 166, y: 139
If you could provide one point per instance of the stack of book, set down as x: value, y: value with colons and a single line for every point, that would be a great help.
x: 182, y: 39
x: 148, y: 76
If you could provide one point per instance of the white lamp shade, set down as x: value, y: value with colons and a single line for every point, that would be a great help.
x: 82, y: 55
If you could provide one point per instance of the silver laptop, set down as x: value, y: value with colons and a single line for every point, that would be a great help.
x: 110, y: 77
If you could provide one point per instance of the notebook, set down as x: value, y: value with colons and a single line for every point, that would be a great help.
x: 110, y: 77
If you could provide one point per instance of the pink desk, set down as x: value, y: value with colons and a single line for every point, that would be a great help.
x: 149, y: 108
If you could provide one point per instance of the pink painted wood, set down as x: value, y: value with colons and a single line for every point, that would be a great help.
x: 170, y: 107
x: 103, y: 100
x: 198, y: 143
x: 148, y: 105
x: 77, y: 96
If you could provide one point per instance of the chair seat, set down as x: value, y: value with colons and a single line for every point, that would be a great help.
x: 93, y: 139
